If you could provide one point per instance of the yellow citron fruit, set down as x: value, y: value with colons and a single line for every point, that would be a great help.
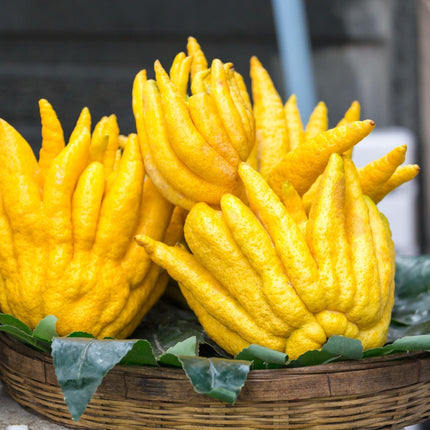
x: 196, y: 123
x: 270, y: 122
x: 288, y: 151
x: 285, y: 149
x: 67, y: 226
x: 267, y: 272
x: 193, y: 143
x: 379, y: 177
x: 306, y: 162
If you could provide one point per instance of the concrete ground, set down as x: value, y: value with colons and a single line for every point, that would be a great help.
x: 14, y: 417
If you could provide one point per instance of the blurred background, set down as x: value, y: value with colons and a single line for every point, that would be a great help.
x: 81, y: 53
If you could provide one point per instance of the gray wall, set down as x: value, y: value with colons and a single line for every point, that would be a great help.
x: 366, y: 49
x: 80, y: 53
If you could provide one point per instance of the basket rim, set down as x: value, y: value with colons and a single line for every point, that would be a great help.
x: 29, y: 376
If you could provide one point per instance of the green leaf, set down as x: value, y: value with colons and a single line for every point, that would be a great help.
x: 418, y: 329
x: 46, y: 329
x: 336, y: 348
x: 9, y: 320
x: 412, y: 275
x: 262, y: 358
x: 410, y: 314
x: 404, y: 344
x: 81, y: 365
x: 24, y: 337
x: 412, y: 310
x: 313, y: 358
x: 81, y: 334
x: 216, y: 377
x: 188, y: 347
x: 412, y: 343
x: 23, y: 333
x: 377, y: 352
x: 141, y: 354
x: 398, y: 331
x: 344, y: 347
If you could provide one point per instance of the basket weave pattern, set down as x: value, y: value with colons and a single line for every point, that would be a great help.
x: 379, y: 393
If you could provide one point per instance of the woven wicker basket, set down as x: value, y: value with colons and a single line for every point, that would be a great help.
x: 379, y: 393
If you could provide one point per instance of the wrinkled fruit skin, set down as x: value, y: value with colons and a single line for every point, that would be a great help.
x: 192, y: 144
x: 67, y: 223
x: 274, y: 274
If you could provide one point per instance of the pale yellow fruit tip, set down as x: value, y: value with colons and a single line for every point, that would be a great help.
x: 145, y: 241
x: 243, y: 167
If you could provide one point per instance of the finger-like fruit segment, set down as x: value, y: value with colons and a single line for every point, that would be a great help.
x: 256, y: 245
x: 199, y: 61
x: 352, y: 114
x: 271, y: 128
x: 220, y: 333
x: 376, y: 173
x: 227, y: 109
x: 288, y: 239
x: 185, y: 139
x: 52, y: 135
x: 210, y: 239
x: 401, y: 175
x: 191, y: 145
x: 303, y: 165
x: 327, y: 219
x: 318, y: 121
x: 167, y: 189
x: 166, y: 160
x: 86, y: 203
x: 120, y: 208
x: 296, y: 134
x: 205, y: 117
x: 367, y: 308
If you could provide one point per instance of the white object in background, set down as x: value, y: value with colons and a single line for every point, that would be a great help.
x: 17, y: 427
x: 401, y: 205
